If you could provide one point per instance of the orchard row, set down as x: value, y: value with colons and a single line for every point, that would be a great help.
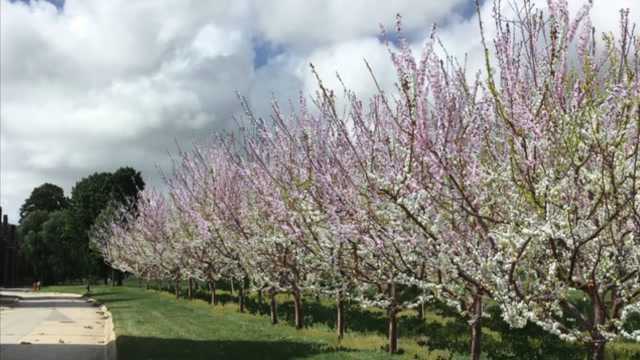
x: 517, y: 185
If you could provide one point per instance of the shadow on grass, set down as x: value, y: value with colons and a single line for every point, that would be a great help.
x: 315, y: 312
x: 499, y: 341
x: 134, y: 348
x: 104, y: 293
x: 359, y: 319
x: 51, y: 351
x: 112, y: 299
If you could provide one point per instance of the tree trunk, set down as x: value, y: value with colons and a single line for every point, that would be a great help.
x: 393, y: 331
x: 177, y: 288
x: 241, y: 296
x: 232, y: 287
x: 598, y: 342
x: 274, y: 308
x: 190, y: 289
x: 393, y: 320
x: 297, y: 309
x: 260, y: 296
x: 597, y: 350
x: 340, y: 324
x: 476, y: 327
x: 420, y: 310
x: 212, y: 291
x: 113, y: 277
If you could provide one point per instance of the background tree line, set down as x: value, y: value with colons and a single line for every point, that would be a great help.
x: 53, y: 228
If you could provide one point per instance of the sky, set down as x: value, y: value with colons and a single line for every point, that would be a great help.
x: 93, y: 85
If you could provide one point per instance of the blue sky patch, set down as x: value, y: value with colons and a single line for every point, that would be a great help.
x: 59, y: 4
x: 264, y: 51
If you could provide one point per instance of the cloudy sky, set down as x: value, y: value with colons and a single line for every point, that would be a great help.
x: 92, y: 85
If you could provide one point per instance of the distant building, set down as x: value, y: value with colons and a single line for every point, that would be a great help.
x: 9, y: 250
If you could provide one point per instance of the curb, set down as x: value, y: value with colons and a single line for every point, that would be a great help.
x: 7, y: 300
x: 17, y: 297
x: 110, y: 349
x: 7, y: 303
x: 28, y: 298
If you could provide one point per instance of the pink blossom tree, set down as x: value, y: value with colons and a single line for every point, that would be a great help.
x: 572, y: 114
x: 518, y: 185
x: 202, y: 187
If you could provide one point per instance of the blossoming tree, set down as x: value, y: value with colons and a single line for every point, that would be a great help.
x: 518, y: 185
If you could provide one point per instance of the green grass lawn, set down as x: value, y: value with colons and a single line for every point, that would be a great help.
x: 152, y: 324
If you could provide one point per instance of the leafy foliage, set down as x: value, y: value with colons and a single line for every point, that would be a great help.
x: 46, y: 197
x: 54, y: 228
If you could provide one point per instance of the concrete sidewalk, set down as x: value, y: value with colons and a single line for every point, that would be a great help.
x: 54, y: 326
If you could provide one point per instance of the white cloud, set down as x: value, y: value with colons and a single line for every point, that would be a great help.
x: 314, y: 22
x: 102, y: 84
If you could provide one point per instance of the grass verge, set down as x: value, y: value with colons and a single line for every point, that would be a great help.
x: 154, y: 325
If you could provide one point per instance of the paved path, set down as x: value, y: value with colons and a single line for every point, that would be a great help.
x: 52, y: 326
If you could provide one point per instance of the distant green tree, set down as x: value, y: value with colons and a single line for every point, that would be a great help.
x: 126, y: 183
x: 33, y: 246
x: 49, y: 244
x: 54, y: 229
x: 58, y: 236
x: 47, y: 197
x: 89, y: 197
